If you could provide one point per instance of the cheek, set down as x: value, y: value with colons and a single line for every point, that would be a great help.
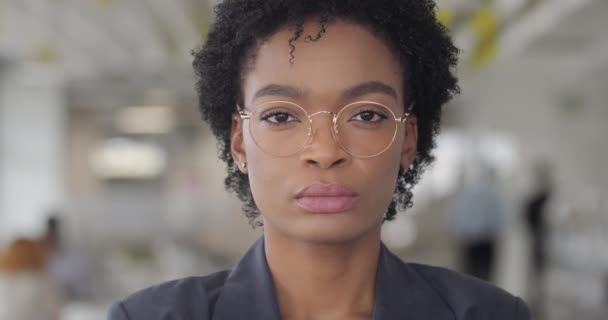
x: 382, y: 171
x: 390, y: 160
x: 266, y: 173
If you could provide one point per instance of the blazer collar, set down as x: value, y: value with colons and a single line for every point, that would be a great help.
x: 401, y: 293
x: 248, y: 292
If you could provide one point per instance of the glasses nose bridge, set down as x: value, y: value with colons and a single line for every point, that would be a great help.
x: 333, y: 121
x: 333, y: 115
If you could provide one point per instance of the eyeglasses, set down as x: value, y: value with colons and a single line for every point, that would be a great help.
x: 363, y: 129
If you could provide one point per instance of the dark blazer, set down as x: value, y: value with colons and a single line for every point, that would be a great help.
x: 403, y: 291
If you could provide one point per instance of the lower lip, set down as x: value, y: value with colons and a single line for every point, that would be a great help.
x: 326, y: 204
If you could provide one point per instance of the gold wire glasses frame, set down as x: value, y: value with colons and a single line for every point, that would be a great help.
x: 280, y: 140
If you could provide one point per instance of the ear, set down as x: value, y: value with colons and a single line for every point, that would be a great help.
x: 237, y: 147
x: 410, y: 143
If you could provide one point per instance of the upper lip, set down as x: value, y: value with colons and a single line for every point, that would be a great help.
x: 326, y: 190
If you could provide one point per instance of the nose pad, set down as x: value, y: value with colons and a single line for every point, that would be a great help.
x: 312, y: 132
x: 334, y: 127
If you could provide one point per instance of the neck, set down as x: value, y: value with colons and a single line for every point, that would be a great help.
x: 323, y: 281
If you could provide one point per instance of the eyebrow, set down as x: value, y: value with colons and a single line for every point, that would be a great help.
x: 368, y: 88
x: 278, y: 90
x: 350, y: 93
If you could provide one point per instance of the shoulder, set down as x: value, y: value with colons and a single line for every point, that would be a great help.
x: 188, y: 298
x: 470, y: 298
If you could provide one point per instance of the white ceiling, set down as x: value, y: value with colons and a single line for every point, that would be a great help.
x: 550, y: 95
x: 575, y: 41
x: 93, y: 37
x: 116, y: 44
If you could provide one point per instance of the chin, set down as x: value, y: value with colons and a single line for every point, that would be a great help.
x: 331, y: 229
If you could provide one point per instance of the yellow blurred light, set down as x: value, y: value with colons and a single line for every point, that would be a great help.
x: 46, y: 54
x: 445, y: 17
x: 484, y: 24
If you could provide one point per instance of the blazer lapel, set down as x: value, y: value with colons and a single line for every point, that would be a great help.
x: 401, y: 293
x: 248, y: 292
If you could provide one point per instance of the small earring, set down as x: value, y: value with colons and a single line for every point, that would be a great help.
x: 244, y: 165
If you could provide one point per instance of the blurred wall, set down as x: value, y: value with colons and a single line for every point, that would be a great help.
x: 31, y: 147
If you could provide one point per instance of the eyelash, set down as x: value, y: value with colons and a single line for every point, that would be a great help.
x: 270, y: 114
x: 382, y: 116
x: 265, y: 117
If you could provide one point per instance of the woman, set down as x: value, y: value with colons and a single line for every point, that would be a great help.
x: 325, y: 113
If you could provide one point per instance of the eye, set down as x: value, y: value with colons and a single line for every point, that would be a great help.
x: 369, y: 116
x: 278, y: 117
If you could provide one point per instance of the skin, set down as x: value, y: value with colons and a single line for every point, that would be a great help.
x: 323, y: 265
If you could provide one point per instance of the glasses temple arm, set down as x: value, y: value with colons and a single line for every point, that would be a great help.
x: 242, y: 112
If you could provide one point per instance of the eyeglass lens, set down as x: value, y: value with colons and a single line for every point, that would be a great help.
x: 363, y: 129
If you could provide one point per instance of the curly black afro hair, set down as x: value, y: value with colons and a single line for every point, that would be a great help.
x: 409, y: 27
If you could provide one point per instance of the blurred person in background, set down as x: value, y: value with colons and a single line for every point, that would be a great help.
x: 325, y: 114
x: 477, y: 218
x: 535, y: 210
x: 71, y: 269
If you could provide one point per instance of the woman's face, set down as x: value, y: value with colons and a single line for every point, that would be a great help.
x: 322, y: 193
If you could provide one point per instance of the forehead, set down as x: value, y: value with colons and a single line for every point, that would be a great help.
x: 347, y: 54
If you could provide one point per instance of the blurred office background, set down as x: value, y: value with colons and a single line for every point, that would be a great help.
x: 99, y: 129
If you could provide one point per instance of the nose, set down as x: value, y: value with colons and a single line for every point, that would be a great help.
x: 323, y: 149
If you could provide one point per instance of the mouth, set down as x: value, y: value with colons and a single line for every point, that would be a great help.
x: 326, y: 198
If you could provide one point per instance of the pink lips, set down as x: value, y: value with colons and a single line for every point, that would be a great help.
x: 326, y: 198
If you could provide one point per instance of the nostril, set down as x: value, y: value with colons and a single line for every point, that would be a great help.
x: 318, y: 163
